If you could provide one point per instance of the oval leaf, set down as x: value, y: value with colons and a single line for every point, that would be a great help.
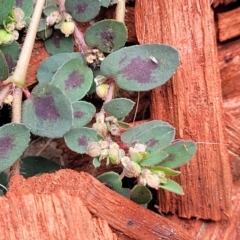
x: 112, y: 180
x: 119, y: 107
x: 107, y: 35
x: 11, y: 53
x: 157, y: 136
x: 58, y: 43
x: 82, y: 113
x: 48, y: 112
x: 14, y: 139
x: 142, y: 67
x: 3, y: 67
x: 37, y: 165
x: 132, y: 134
x: 153, y: 159
x: 179, y: 153
x: 83, y: 10
x: 172, y: 186
x: 78, y: 139
x: 105, y: 3
x: 74, y: 79
x: 50, y: 66
x: 140, y: 194
x: 167, y: 171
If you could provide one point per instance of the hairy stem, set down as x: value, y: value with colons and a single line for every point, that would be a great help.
x: 19, y: 75
x: 17, y: 105
x: 120, y: 10
x: 4, y: 93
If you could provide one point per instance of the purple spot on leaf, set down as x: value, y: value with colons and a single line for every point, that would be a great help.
x: 139, y: 70
x: 151, y: 142
x: 19, y: 3
x: 108, y: 37
x: 10, y: 62
x: 83, y: 141
x: 56, y: 39
x: 81, y: 8
x: 75, y: 80
x: 78, y: 114
x: 45, y: 108
x: 6, y: 145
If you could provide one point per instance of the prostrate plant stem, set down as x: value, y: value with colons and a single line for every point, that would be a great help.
x: 19, y: 75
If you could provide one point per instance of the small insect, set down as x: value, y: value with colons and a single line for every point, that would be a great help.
x: 154, y: 59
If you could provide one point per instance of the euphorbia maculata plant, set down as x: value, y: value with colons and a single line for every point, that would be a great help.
x: 55, y: 108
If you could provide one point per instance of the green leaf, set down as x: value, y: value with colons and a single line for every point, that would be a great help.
x: 49, y: 67
x: 107, y: 35
x: 112, y: 180
x: 172, y: 186
x: 83, y: 10
x: 96, y: 162
x: 37, y: 165
x: 119, y: 107
x: 141, y: 67
x: 74, y: 79
x: 11, y: 53
x: 154, y: 134
x: 179, y: 153
x: 123, y: 124
x: 105, y: 3
x: 167, y: 171
x: 14, y: 139
x: 58, y: 43
x: 27, y: 7
x: 131, y: 135
x: 48, y: 112
x: 78, y: 139
x: 82, y: 113
x: 140, y: 194
x: 5, y: 9
x: 153, y: 158
x: 126, y: 192
x: 3, y: 67
x: 49, y: 9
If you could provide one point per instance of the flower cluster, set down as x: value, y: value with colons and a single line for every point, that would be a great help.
x: 11, y: 25
x: 105, y: 125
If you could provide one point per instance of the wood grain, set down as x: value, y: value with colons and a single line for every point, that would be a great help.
x: 192, y: 102
x: 53, y: 206
x: 228, y: 24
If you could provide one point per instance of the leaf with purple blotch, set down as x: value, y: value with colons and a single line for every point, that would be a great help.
x: 49, y: 67
x: 5, y: 9
x: 78, y: 139
x: 82, y: 113
x: 48, y: 112
x: 179, y: 153
x: 74, y: 78
x: 14, y: 139
x: 11, y: 53
x: 135, y: 133
x: 119, y: 107
x: 83, y: 10
x: 141, y: 67
x: 58, y: 43
x: 107, y: 35
x: 4, y: 67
